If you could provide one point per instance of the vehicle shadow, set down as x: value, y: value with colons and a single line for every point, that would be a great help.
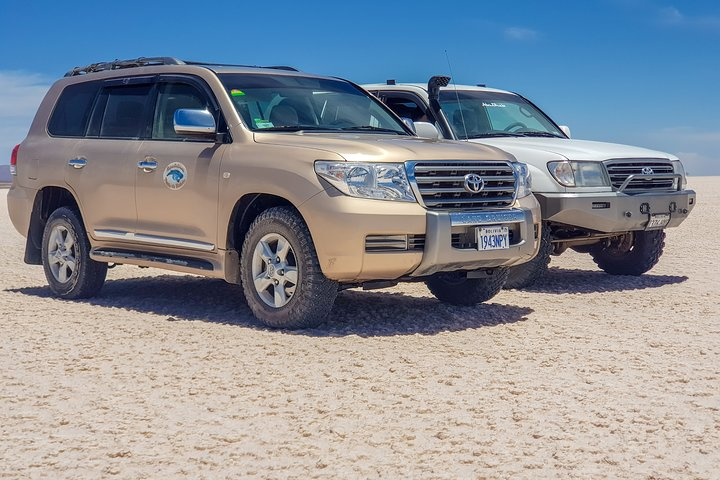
x: 565, y: 280
x: 362, y: 313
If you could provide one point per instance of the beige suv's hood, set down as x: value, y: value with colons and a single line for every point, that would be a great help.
x: 384, y: 148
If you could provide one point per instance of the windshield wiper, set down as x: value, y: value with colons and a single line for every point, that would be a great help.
x: 295, y: 128
x: 370, y: 128
x: 540, y: 134
x: 494, y: 134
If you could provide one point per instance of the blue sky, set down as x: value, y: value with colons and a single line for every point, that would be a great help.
x: 642, y: 72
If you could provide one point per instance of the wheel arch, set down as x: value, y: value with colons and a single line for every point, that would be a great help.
x: 47, y: 200
x: 246, y: 210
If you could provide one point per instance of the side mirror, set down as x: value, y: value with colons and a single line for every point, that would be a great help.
x: 194, y: 122
x: 427, y: 130
x: 566, y: 130
x: 410, y: 124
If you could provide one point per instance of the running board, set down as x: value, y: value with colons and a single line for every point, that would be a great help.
x: 117, y: 256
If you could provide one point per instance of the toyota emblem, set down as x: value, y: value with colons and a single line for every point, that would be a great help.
x: 647, y: 171
x: 474, y: 183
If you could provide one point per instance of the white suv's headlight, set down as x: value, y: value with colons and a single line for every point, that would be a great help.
x: 524, y: 184
x: 381, y: 181
x: 678, y: 168
x: 579, y: 174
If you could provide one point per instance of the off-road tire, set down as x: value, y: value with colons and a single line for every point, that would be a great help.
x: 644, y: 254
x: 526, y: 274
x: 88, y: 277
x: 314, y: 293
x: 455, y: 288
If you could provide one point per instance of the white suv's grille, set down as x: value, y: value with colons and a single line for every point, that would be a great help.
x: 441, y: 184
x: 620, y: 170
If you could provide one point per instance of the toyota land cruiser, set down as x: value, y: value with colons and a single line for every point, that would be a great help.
x: 293, y: 185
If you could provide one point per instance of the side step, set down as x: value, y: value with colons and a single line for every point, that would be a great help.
x: 117, y: 256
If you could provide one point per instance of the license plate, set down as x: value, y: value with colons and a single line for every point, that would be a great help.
x: 492, y: 238
x: 658, y: 220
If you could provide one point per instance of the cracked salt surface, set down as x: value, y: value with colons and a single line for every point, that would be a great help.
x: 166, y: 375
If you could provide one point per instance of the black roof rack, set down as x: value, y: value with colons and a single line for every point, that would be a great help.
x: 152, y: 61
x: 118, y: 64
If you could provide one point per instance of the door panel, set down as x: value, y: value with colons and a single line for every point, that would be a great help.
x: 177, y: 185
x: 105, y: 185
x: 173, y: 207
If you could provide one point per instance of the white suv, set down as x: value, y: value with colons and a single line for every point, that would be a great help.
x: 611, y: 201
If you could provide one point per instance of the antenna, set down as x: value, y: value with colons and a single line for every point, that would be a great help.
x: 457, y: 96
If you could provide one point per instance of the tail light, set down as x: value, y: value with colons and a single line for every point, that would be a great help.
x: 13, y: 160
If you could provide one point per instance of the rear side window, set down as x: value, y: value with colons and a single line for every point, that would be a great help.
x: 72, y: 111
x: 124, y: 115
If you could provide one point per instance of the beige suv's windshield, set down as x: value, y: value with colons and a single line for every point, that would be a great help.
x: 292, y: 103
x: 478, y: 114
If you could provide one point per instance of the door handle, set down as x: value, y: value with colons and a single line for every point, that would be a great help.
x: 147, y: 165
x: 77, y: 162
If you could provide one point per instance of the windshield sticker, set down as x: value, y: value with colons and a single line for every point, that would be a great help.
x: 262, y: 123
x: 236, y: 93
x: 493, y: 104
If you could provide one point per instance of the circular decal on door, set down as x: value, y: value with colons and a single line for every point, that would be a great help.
x: 175, y: 175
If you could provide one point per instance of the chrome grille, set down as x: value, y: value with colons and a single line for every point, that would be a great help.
x: 620, y: 170
x: 441, y: 184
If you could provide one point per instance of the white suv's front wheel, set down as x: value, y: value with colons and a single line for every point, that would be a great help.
x: 631, y: 254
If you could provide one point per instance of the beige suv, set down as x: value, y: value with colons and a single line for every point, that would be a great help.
x: 294, y: 185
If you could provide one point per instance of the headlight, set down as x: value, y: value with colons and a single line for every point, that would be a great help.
x: 524, y: 179
x: 678, y: 168
x: 579, y: 174
x: 382, y: 181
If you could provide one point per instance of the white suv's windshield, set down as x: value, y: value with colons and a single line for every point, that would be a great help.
x: 478, y: 114
x: 293, y: 103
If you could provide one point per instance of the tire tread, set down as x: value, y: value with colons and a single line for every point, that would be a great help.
x: 315, y: 294
x: 527, y: 274
x: 645, y: 254
x: 470, y: 291
x: 91, y: 274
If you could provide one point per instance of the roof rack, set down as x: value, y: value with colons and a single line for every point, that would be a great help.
x: 118, y: 64
x: 152, y: 61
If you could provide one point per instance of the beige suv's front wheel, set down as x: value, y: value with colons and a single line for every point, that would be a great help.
x: 280, y: 272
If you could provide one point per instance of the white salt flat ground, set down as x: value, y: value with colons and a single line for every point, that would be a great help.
x: 163, y: 375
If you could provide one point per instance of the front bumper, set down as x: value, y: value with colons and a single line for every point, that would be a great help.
x: 440, y: 255
x: 611, y: 212
x: 341, y: 225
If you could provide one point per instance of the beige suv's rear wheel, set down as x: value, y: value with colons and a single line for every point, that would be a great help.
x: 69, y: 270
x: 280, y: 272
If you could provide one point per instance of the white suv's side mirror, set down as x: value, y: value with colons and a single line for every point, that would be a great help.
x: 427, y: 130
x: 566, y: 130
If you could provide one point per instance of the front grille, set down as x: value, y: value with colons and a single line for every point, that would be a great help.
x: 620, y: 170
x: 441, y: 184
